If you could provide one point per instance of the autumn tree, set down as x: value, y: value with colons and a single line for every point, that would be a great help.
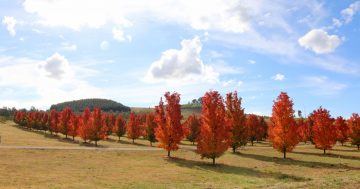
x: 120, y: 126
x: 169, y: 131
x: 236, y: 119
x: 253, y: 128
x: 354, y: 123
x: 64, y: 124
x: 97, y: 130
x: 149, y: 128
x: 324, y: 132
x: 54, y: 121
x: 304, y: 130
x: 283, y: 132
x: 342, y: 130
x: 215, y: 136
x: 192, y: 125
x: 84, y: 129
x: 74, y: 126
x: 263, y: 128
x: 133, y: 127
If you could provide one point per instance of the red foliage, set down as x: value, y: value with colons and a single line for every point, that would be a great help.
x: 133, y: 127
x: 64, y: 124
x: 169, y: 131
x: 119, y: 129
x: 324, y: 132
x: 97, y: 130
x: 354, y: 123
x: 55, y: 119
x: 304, y: 130
x: 74, y: 126
x: 85, y: 125
x: 342, y: 130
x: 283, y: 131
x: 215, y: 136
x: 149, y: 128
x: 192, y: 127
x: 236, y: 119
x: 253, y: 128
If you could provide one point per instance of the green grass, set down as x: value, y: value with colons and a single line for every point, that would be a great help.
x: 257, y: 166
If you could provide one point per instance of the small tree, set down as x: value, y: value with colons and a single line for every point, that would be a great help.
x: 303, y: 130
x: 253, y: 127
x: 235, y: 117
x: 133, y: 127
x: 150, y: 126
x: 74, y: 126
x: 342, y: 130
x: 54, y: 118
x: 283, y: 131
x: 354, y: 123
x: 85, y: 124
x: 169, y: 131
x: 192, y: 125
x: 64, y: 125
x: 120, y: 127
x: 324, y: 132
x: 98, y: 131
x: 215, y: 136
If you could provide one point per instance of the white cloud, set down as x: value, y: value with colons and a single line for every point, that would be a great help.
x: 56, y: 66
x: 119, y: 35
x: 69, y: 47
x: 322, y: 85
x: 319, y: 41
x: 278, y: 77
x: 240, y: 83
x: 182, y: 65
x: 349, y: 12
x: 10, y: 23
x: 252, y: 61
x: 104, y: 45
x: 35, y: 87
x: 227, y: 83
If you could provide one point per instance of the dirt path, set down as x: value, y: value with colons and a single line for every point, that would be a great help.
x: 78, y: 148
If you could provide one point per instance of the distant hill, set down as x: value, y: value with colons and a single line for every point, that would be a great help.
x: 79, y: 105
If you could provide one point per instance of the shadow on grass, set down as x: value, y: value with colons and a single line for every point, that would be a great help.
x: 354, y: 149
x: 328, y: 155
x: 228, y: 169
x: 127, y: 142
x: 290, y: 161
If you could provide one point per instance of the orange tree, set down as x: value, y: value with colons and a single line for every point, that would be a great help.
x: 342, y: 130
x: 120, y: 126
x: 169, y: 131
x: 283, y: 131
x: 133, y: 127
x: 215, y: 136
x: 324, y: 132
x: 235, y: 117
x: 354, y: 123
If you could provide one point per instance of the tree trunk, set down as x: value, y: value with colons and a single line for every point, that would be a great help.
x: 96, y: 143
x: 252, y: 143
x: 150, y: 143
x: 213, y: 162
x: 324, y: 151
x: 168, y: 153
x: 284, y: 154
x: 133, y: 141
x: 66, y: 136
x: 119, y: 139
x: 358, y: 147
x: 73, y: 138
x: 193, y: 143
x: 234, y: 149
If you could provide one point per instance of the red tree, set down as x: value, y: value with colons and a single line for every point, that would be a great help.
x: 84, y: 129
x: 253, y: 128
x: 64, y: 124
x: 74, y: 126
x: 133, y: 127
x: 342, y: 130
x: 192, y: 125
x: 283, y: 131
x: 215, y: 136
x: 263, y: 128
x: 235, y: 117
x: 119, y: 129
x: 304, y: 130
x: 324, y: 132
x: 54, y: 121
x: 169, y: 131
x: 98, y: 131
x: 149, y: 128
x: 354, y: 123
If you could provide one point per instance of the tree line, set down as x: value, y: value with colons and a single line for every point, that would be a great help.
x: 221, y: 125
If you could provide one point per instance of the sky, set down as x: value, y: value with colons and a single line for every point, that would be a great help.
x: 134, y: 51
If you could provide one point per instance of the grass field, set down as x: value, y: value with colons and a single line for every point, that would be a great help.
x: 257, y: 166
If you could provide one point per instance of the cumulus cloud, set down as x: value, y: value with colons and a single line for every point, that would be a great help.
x: 119, y: 35
x: 104, y: 45
x: 181, y: 65
x: 10, y: 23
x: 278, y: 77
x: 319, y: 41
x: 56, y: 66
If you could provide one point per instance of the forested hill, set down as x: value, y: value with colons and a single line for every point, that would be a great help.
x: 79, y: 105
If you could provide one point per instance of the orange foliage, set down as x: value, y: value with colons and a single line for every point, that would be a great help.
x: 169, y: 131
x: 64, y: 124
x: 354, y: 123
x: 253, y: 128
x: 235, y: 117
x: 133, y: 127
x: 192, y: 127
x: 119, y: 129
x: 342, y: 130
x: 324, y: 132
x: 85, y: 124
x: 283, y: 131
x: 215, y: 136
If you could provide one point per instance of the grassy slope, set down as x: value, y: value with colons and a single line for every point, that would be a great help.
x: 258, y: 166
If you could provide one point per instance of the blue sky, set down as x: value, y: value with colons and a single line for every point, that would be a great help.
x: 132, y: 52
